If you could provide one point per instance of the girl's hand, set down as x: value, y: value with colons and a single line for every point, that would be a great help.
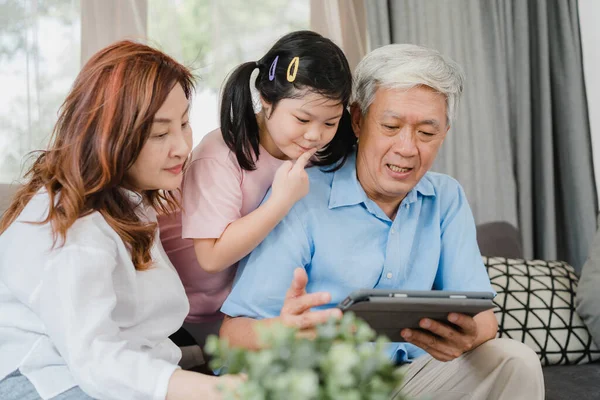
x: 291, y: 181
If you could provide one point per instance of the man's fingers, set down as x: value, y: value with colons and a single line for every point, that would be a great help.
x: 439, y: 329
x: 299, y: 305
x: 304, y: 159
x: 307, y: 334
x: 466, y: 323
x: 296, y: 307
x: 430, y: 343
x: 455, y: 336
x: 440, y: 356
x: 311, y: 319
x: 298, y: 285
x: 430, y: 348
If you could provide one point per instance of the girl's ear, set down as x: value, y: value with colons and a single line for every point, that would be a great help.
x: 266, y: 106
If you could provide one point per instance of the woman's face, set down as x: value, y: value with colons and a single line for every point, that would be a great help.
x: 160, y: 163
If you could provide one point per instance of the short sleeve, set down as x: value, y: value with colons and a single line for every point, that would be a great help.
x: 461, y: 266
x: 264, y: 276
x: 212, y: 198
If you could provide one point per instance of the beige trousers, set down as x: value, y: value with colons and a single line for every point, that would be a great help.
x: 498, y: 369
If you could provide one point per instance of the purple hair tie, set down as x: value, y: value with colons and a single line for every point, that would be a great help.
x: 272, y: 69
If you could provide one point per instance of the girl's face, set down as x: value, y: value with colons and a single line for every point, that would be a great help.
x: 159, y: 164
x: 298, y: 125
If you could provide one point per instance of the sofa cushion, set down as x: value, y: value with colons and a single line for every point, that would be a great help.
x: 569, y: 382
x: 535, y: 305
x: 499, y: 239
x: 588, y: 293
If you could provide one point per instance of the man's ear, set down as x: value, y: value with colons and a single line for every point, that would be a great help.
x: 357, y: 116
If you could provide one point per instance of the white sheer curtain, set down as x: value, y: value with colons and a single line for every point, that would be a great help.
x: 212, y: 37
x: 344, y: 22
x: 43, y: 44
x: 106, y: 21
x: 39, y: 57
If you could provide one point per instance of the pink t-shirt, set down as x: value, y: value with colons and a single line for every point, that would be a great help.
x: 216, y: 192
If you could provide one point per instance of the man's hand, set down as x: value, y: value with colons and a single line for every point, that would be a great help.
x: 443, y: 341
x: 296, y: 307
x: 240, y: 331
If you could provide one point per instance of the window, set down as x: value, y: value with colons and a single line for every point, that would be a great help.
x: 39, y: 59
x: 213, y: 37
x: 40, y: 51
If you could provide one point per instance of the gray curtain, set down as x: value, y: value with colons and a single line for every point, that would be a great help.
x: 521, y: 144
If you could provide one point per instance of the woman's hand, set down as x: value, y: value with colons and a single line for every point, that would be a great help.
x: 188, y: 385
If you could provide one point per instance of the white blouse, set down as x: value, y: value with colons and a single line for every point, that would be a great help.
x: 80, y: 314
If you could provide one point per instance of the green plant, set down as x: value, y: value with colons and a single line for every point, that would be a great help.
x: 344, y: 361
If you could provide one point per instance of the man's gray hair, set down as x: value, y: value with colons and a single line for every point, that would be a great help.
x: 403, y: 66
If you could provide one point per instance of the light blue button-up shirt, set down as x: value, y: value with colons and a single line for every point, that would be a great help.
x: 346, y: 242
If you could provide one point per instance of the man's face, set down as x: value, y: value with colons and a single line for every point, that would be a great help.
x: 399, y: 138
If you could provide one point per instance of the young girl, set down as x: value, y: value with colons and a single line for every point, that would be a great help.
x: 304, y: 83
x: 87, y: 296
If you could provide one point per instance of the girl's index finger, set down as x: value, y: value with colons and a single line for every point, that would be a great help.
x: 303, y: 160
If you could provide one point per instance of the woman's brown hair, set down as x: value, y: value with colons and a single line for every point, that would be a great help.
x: 101, y: 129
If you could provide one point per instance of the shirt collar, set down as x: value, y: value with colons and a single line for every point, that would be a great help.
x: 134, y: 197
x: 345, y: 188
x: 347, y: 191
x: 424, y: 187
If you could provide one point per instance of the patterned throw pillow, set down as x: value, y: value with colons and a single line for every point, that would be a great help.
x: 536, y: 305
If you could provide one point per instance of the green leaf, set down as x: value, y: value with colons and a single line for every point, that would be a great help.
x: 345, y: 361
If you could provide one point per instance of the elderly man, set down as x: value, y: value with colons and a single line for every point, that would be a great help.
x: 384, y: 221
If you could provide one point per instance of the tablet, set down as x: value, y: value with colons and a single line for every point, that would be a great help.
x: 390, y: 311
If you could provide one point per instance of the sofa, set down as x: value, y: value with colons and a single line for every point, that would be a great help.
x: 566, y: 349
x: 500, y: 243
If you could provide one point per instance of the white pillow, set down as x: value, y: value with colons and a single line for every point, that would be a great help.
x: 536, y: 305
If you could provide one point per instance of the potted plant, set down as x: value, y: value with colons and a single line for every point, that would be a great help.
x: 344, y: 360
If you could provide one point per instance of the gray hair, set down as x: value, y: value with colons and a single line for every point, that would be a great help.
x: 404, y: 66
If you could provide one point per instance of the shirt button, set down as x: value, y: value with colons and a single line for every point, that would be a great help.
x: 407, y: 206
x: 389, y: 275
x: 393, y: 231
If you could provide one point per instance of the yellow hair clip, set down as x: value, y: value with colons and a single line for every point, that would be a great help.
x: 294, y: 63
